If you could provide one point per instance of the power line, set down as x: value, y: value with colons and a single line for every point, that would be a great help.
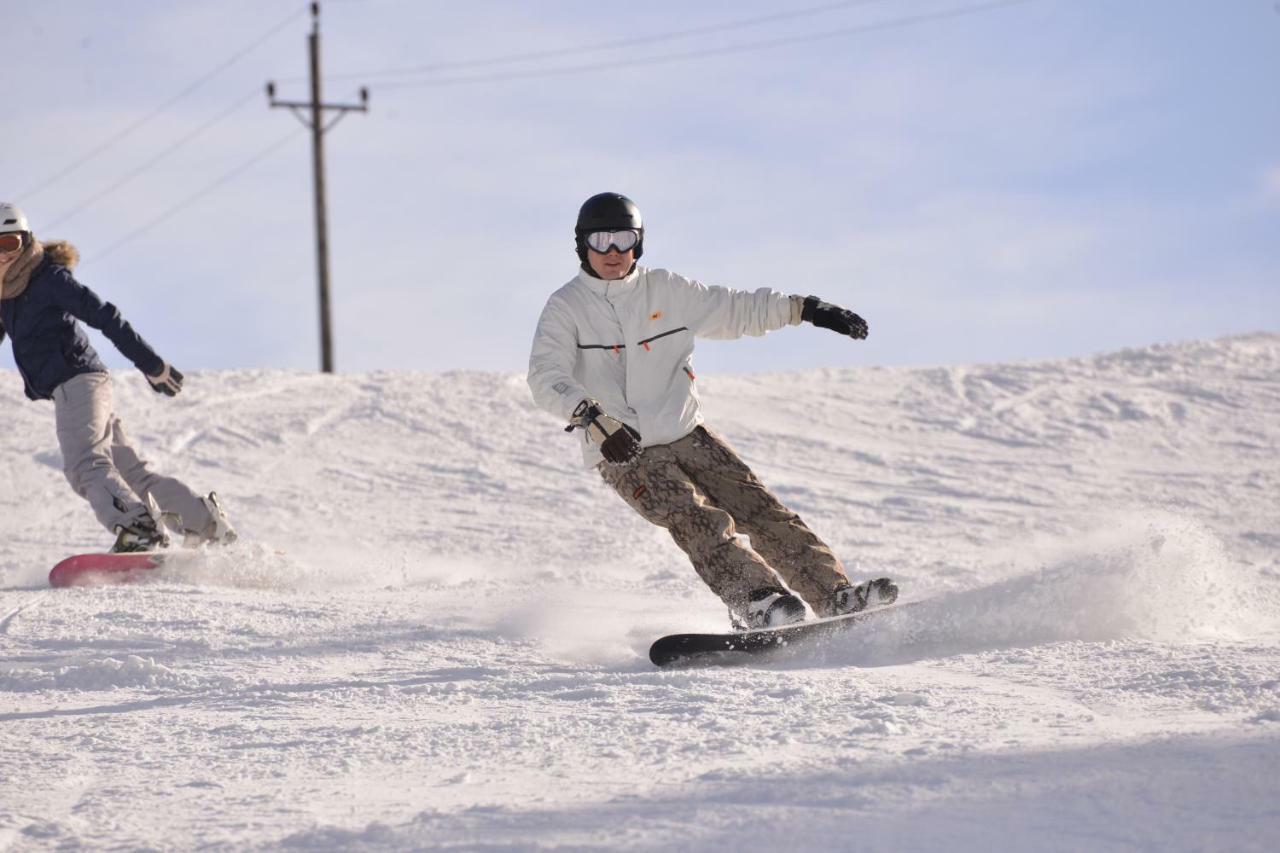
x: 707, y: 53
x: 514, y: 75
x: 609, y: 45
x: 896, y: 23
x: 158, y: 111
x: 196, y: 196
x: 68, y: 214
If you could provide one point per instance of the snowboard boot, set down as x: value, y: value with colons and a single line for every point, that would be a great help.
x: 852, y: 599
x: 218, y: 530
x: 139, y: 532
x: 770, y: 607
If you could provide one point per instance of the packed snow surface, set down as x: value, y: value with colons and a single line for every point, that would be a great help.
x: 434, y: 631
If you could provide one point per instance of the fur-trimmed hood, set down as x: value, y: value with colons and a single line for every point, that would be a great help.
x: 18, y: 276
x: 62, y: 253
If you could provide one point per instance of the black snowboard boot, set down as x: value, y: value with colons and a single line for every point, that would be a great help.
x: 770, y: 607
x: 852, y: 599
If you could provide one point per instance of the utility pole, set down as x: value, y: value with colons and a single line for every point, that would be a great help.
x: 317, y: 124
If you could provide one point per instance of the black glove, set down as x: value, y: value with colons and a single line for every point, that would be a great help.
x: 618, y: 442
x: 824, y: 315
x: 168, y: 381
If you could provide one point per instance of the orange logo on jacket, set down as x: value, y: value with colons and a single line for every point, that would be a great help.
x: 656, y: 315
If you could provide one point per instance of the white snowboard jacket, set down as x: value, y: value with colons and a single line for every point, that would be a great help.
x: 628, y: 343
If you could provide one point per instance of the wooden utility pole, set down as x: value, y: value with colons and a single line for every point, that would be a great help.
x: 316, y: 122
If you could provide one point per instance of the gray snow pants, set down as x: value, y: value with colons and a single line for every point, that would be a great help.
x: 703, y: 493
x: 103, y: 467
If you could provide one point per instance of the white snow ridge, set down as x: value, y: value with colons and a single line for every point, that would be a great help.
x: 433, y: 633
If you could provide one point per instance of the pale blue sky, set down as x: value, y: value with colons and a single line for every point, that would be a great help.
x: 1049, y: 178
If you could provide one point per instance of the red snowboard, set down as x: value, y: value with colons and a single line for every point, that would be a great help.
x: 101, y: 569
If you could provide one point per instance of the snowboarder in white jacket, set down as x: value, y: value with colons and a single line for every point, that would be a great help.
x: 613, y: 356
x: 40, y: 306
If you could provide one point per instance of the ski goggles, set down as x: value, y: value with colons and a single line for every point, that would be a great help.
x: 623, y: 241
x: 10, y: 242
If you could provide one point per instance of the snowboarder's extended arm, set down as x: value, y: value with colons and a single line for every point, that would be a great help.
x: 83, y: 304
x: 555, y: 350
x: 721, y: 312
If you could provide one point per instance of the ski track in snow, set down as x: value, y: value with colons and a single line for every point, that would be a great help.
x: 434, y: 631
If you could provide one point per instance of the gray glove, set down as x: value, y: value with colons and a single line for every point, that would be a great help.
x: 168, y: 381
x: 618, y: 442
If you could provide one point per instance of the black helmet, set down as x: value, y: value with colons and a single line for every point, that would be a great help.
x: 607, y: 212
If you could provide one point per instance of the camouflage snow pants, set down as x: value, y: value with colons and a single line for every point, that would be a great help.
x: 699, y: 490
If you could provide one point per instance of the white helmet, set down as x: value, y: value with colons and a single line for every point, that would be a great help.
x: 12, y: 219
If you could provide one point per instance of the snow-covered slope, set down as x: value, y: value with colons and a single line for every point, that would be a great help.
x: 434, y: 631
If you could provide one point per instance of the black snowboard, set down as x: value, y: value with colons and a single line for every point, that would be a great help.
x: 742, y: 645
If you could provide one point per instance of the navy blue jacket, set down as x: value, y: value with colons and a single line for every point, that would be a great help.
x: 49, y: 345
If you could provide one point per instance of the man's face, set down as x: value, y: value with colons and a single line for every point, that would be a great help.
x: 612, y: 264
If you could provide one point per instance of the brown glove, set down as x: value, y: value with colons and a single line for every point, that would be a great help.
x: 618, y: 443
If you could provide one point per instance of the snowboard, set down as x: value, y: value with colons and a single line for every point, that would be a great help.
x: 739, y: 646
x: 103, y: 569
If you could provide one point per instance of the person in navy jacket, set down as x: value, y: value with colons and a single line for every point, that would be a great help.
x: 41, y: 308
